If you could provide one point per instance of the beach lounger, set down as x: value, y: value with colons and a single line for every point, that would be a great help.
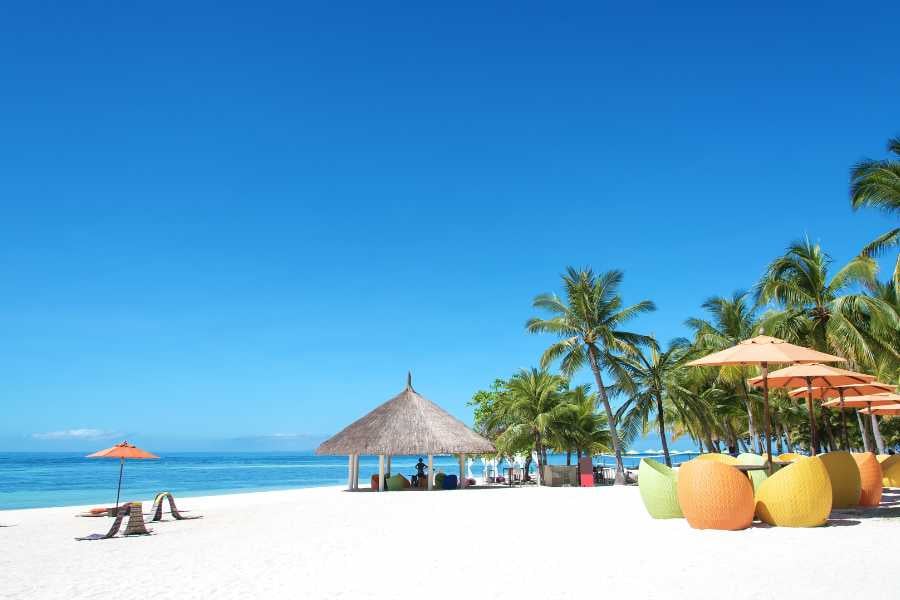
x: 156, y: 511
x: 135, y: 526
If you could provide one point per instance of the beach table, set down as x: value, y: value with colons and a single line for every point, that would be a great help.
x: 747, y: 468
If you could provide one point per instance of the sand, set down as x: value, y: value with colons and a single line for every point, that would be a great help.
x: 479, y: 543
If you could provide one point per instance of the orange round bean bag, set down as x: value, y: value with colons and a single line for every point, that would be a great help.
x: 725, y: 459
x: 713, y: 495
x: 870, y: 477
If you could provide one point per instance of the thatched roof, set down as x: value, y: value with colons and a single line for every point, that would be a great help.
x: 407, y: 424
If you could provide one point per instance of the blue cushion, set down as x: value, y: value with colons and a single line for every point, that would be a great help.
x: 450, y: 482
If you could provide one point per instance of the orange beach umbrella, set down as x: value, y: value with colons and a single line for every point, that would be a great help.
x: 842, y: 392
x: 882, y: 410
x: 814, y: 374
x: 122, y: 451
x: 764, y: 350
x: 867, y: 402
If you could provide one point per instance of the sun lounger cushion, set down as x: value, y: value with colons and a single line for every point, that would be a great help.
x: 713, y: 495
x: 870, y: 477
x: 798, y: 495
x: 450, y: 482
x: 658, y: 485
x: 844, y: 475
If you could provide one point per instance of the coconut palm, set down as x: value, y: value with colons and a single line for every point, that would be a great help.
x: 817, y: 308
x: 876, y: 184
x: 588, y: 322
x: 532, y: 407
x: 581, y: 428
x: 653, y: 380
x: 731, y: 321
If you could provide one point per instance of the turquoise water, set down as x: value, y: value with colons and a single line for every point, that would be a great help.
x: 30, y: 480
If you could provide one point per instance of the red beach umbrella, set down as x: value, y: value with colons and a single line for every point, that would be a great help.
x: 122, y: 451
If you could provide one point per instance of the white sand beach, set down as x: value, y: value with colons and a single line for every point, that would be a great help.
x: 490, y: 543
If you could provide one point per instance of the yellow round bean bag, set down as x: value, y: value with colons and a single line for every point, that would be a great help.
x: 870, y: 476
x: 799, y: 495
x: 891, y: 471
x: 789, y: 456
x: 714, y: 496
x: 725, y: 459
x: 846, y: 486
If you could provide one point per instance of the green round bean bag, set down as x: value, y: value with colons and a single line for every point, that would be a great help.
x: 659, y: 490
x: 397, y: 482
x: 439, y: 481
x: 756, y: 477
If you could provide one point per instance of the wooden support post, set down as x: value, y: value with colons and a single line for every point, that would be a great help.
x: 387, y: 469
x: 350, y: 473
x: 462, y: 469
x: 430, y: 472
x: 356, y: 471
x: 380, y: 472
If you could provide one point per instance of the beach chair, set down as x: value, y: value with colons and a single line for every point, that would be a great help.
x: 156, y: 511
x: 135, y: 525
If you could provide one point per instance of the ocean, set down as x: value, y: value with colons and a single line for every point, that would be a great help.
x: 32, y: 480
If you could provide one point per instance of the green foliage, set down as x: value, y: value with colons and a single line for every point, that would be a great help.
x: 588, y: 324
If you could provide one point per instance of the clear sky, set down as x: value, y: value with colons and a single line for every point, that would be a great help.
x: 240, y: 221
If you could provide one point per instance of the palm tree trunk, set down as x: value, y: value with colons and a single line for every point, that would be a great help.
x: 751, y: 424
x: 863, y: 432
x: 610, y: 417
x: 879, y: 441
x: 787, y: 439
x: 569, y: 457
x: 828, y: 435
x: 661, y: 423
x: 779, y: 430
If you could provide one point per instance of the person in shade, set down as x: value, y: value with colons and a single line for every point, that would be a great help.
x: 420, y: 473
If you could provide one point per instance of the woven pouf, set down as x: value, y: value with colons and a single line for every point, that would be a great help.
x: 798, y: 495
x: 713, y: 495
x: 846, y: 486
x: 870, y: 477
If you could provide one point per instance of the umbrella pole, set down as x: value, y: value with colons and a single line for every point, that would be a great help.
x: 844, y: 423
x: 119, y: 488
x: 813, y: 434
x: 765, y: 374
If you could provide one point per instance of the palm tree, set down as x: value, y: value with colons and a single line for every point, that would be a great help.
x: 732, y: 320
x: 582, y: 428
x: 817, y: 310
x: 876, y: 184
x: 532, y: 407
x: 588, y: 324
x: 653, y: 382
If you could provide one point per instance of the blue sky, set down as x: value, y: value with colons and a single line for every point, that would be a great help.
x: 231, y: 222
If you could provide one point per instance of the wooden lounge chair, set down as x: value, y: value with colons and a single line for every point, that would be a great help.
x: 156, y: 511
x: 135, y: 525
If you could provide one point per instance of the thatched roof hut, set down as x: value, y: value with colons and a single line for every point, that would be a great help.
x: 406, y: 424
